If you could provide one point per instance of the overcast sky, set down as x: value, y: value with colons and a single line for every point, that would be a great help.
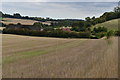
x: 60, y: 0
x: 57, y: 9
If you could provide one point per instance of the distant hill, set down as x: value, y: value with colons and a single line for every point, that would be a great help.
x: 22, y: 21
x: 15, y: 21
x: 111, y: 25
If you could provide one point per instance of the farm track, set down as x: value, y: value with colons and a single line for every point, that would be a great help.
x: 59, y: 58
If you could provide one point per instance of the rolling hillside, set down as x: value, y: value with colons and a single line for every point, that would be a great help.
x: 42, y: 57
x: 111, y: 25
x: 22, y: 21
x: 15, y: 21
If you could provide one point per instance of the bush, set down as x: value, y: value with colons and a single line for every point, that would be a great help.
x: 117, y: 33
x: 100, y: 34
x: 0, y: 31
x: 54, y: 33
x: 99, y: 29
x: 84, y: 34
x: 109, y: 34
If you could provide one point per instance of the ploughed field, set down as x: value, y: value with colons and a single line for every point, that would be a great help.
x: 41, y: 57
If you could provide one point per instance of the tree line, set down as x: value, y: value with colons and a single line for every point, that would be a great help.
x: 80, y: 28
x: 77, y: 24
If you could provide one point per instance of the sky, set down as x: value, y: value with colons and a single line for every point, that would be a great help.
x: 68, y: 9
x: 60, y: 0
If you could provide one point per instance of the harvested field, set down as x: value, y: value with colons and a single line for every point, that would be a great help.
x: 22, y: 21
x: 15, y: 21
x: 41, y: 57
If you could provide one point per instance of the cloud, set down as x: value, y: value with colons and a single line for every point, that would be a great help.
x: 60, y: 0
x: 59, y: 9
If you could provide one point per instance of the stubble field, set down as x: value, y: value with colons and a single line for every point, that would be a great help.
x: 41, y: 57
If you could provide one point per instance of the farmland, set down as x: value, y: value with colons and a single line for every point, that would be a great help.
x: 41, y: 57
x: 15, y: 21
x: 22, y: 21
x: 111, y: 25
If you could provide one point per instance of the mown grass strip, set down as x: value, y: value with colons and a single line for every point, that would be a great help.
x: 22, y: 55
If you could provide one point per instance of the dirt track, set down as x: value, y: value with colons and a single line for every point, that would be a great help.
x: 35, y: 57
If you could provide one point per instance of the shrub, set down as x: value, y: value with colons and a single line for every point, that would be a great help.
x: 100, y: 34
x: 84, y: 34
x: 54, y: 33
x: 117, y: 33
x: 109, y: 34
x: 99, y: 29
